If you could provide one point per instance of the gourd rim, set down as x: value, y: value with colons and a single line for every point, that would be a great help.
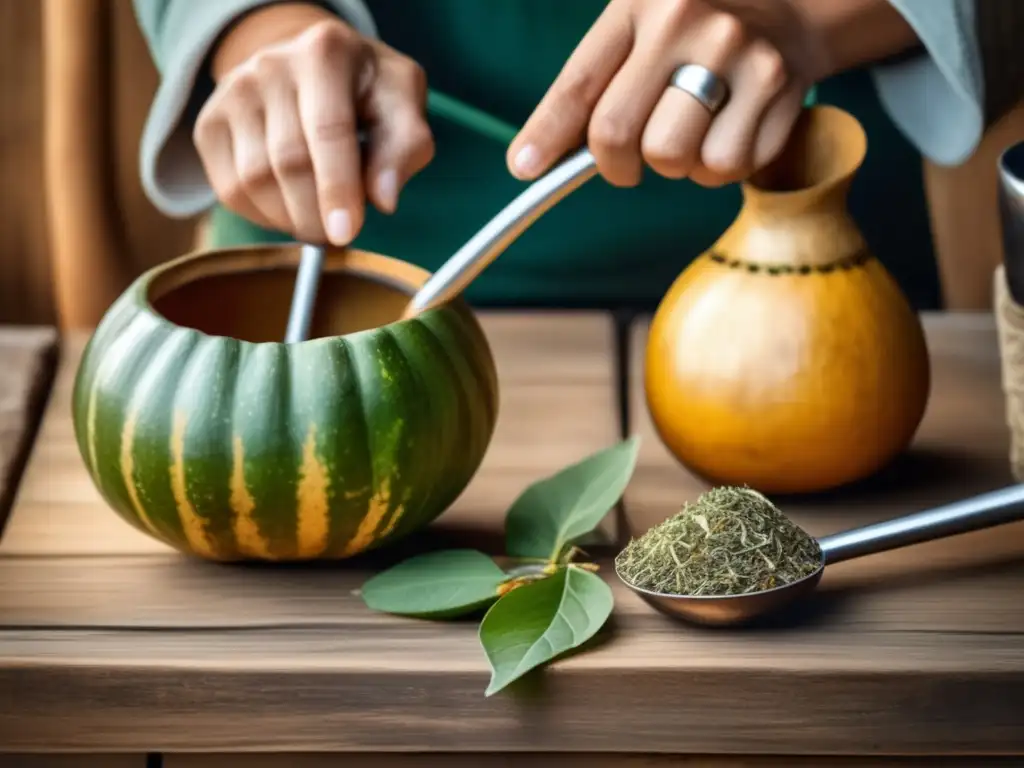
x: 388, y: 271
x: 852, y: 138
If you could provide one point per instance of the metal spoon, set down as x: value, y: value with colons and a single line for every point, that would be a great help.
x: 311, y: 262
x: 471, y: 259
x: 499, y: 233
x: 307, y: 282
x: 985, y: 511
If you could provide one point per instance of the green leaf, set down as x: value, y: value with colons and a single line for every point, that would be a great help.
x: 540, y: 620
x: 436, y: 585
x: 559, y: 509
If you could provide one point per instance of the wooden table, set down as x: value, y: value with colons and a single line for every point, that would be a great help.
x: 114, y: 647
x: 26, y: 368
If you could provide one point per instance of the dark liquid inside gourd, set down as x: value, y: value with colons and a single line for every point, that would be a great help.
x: 253, y: 306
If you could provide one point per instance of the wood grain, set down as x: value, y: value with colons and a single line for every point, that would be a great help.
x: 25, y: 374
x: 946, y: 601
x: 207, y: 658
x: 557, y: 405
x: 536, y: 760
x: 417, y: 687
x: 72, y: 761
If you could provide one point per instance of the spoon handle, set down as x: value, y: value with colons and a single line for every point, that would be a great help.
x: 987, y: 510
x: 304, y: 295
x: 308, y: 279
x: 487, y: 244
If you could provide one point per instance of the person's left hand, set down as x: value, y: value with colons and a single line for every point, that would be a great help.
x: 614, y: 94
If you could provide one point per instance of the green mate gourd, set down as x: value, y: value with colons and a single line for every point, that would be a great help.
x: 204, y: 431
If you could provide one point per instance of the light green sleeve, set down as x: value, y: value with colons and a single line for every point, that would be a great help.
x: 937, y: 98
x: 179, y: 34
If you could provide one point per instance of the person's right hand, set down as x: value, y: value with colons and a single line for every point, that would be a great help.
x: 278, y: 137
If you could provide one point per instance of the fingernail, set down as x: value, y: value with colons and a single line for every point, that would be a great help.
x: 339, y: 227
x: 526, y: 160
x: 387, y: 189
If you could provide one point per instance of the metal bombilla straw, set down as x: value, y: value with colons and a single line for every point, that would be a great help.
x: 311, y: 260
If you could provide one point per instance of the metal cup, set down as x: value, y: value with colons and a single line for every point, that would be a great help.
x: 1009, y: 299
x: 1011, y: 212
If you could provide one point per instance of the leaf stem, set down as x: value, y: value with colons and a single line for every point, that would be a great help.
x: 539, y: 569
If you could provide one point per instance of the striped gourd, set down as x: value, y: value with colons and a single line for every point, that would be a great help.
x: 236, y: 449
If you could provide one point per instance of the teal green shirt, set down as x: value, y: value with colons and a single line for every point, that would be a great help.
x: 601, y: 246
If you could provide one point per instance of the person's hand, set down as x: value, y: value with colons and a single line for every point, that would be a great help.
x: 612, y: 94
x: 278, y: 137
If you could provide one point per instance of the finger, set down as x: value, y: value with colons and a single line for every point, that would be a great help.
x: 402, y: 143
x: 617, y: 125
x: 290, y: 157
x: 772, y: 135
x: 758, y: 78
x: 213, y: 141
x: 559, y: 122
x: 328, y: 80
x: 254, y: 171
x: 673, y: 135
x: 777, y: 126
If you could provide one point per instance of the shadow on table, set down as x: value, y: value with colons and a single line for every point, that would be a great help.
x: 922, y: 475
x: 434, y: 537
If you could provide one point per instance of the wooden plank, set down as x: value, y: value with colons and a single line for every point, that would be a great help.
x: 72, y: 761
x: 206, y: 658
x: 558, y: 404
x: 154, y: 592
x: 287, y: 662
x: 60, y: 522
x: 946, y: 601
x: 419, y: 687
x: 536, y: 760
x: 24, y: 378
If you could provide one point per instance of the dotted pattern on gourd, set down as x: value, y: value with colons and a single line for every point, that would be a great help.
x: 858, y: 259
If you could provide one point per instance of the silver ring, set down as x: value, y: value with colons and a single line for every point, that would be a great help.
x: 703, y: 84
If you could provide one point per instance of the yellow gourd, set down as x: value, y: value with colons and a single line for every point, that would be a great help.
x: 786, y: 357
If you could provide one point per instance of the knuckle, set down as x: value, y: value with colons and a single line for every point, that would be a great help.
x: 420, y: 136
x: 678, y: 11
x: 290, y: 158
x: 329, y: 130
x: 242, y: 93
x: 328, y: 39
x: 424, y: 152
x: 726, y: 32
x: 580, y: 86
x: 206, y: 126
x: 769, y: 68
x: 265, y: 65
x: 665, y: 159
x: 420, y: 146
x: 723, y: 162
x: 254, y: 176
x: 414, y: 75
x: 611, y: 133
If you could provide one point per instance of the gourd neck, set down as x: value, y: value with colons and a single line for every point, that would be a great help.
x: 795, y: 209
